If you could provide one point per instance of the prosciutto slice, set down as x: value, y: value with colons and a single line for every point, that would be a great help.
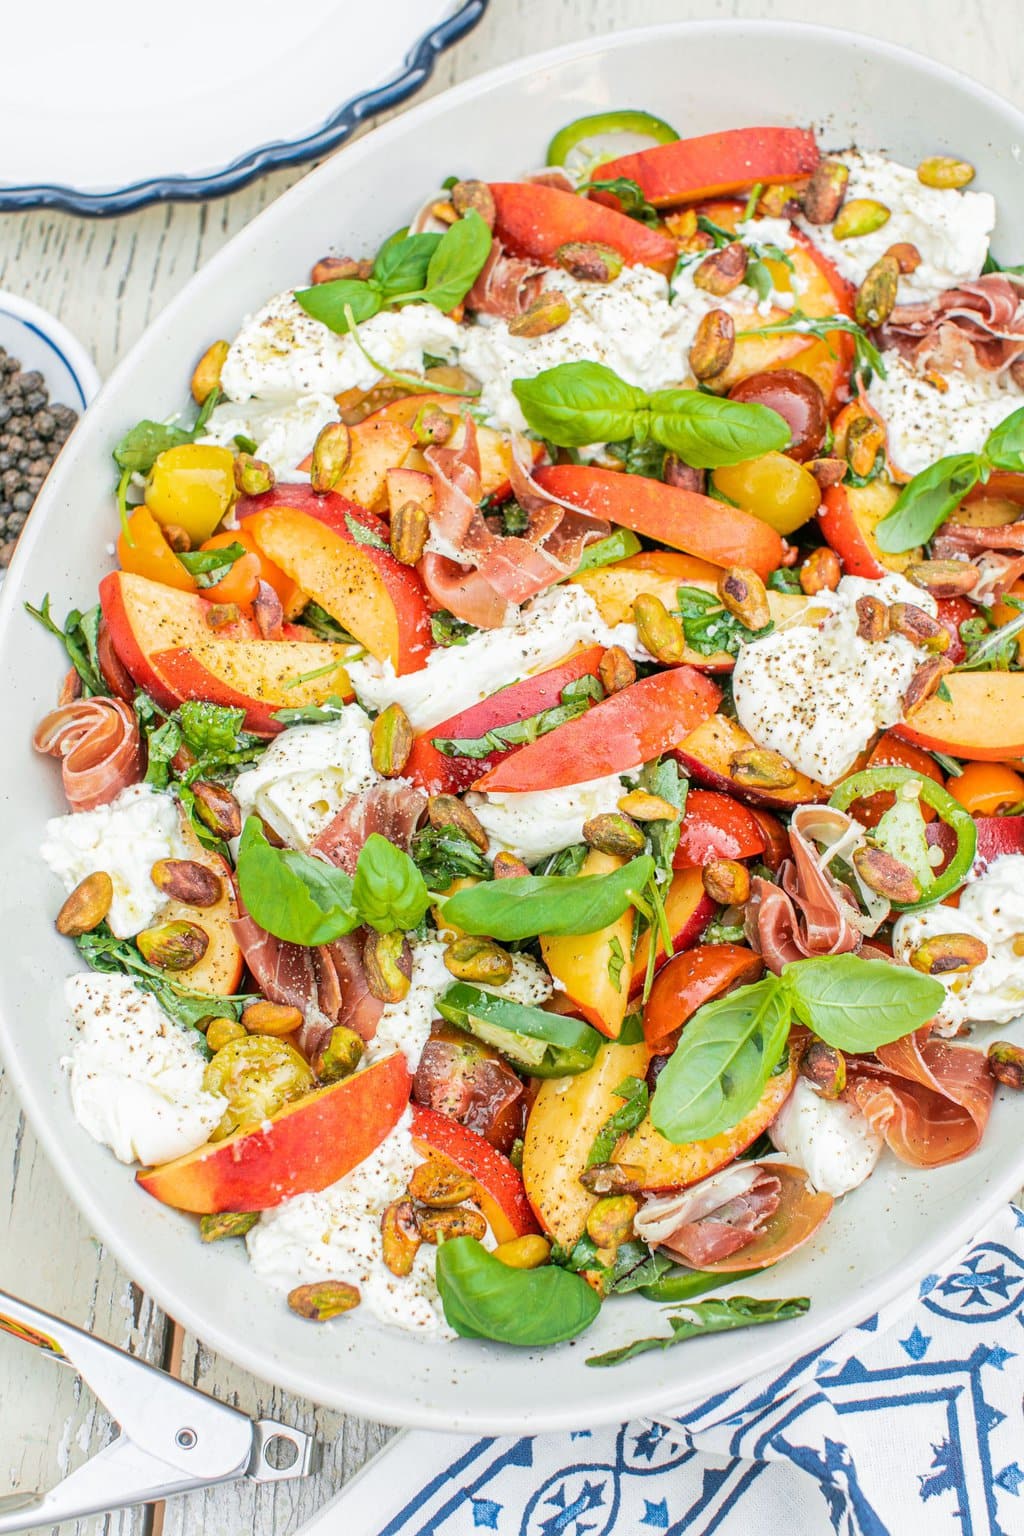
x: 98, y: 743
x: 810, y: 912
x: 294, y: 975
x: 981, y: 546
x: 715, y: 1218
x: 392, y: 809
x: 506, y: 285
x: 976, y: 325
x: 481, y: 575
x: 930, y: 1099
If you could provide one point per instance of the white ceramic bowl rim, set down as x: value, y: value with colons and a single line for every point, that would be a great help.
x: 627, y: 1393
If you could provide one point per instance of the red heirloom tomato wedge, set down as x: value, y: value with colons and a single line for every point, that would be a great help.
x: 716, y: 827
x: 689, y: 981
x: 631, y: 727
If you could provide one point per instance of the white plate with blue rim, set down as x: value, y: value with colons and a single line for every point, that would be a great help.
x: 140, y: 106
x: 42, y: 345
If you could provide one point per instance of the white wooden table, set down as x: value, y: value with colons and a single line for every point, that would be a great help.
x: 107, y: 279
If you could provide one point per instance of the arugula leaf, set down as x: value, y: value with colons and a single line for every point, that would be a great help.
x: 291, y: 895
x: 724, y: 1058
x: 576, y: 700
x: 709, y: 627
x: 785, y: 579
x: 528, y: 905
x: 401, y: 263
x: 857, y: 1005
x: 717, y: 1315
x: 635, y: 1266
x: 162, y: 745
x: 665, y: 779
x: 388, y: 890
x: 102, y: 952
x: 992, y: 649
x: 447, y: 630
x: 866, y: 357
x: 708, y: 431
x: 79, y: 637
x: 630, y: 195
x: 485, y: 1299
x: 574, y: 404
x: 142, y: 444
x: 926, y: 501
x: 323, y: 625
x: 567, y: 861
x: 633, y: 1091
x: 209, y: 566
x: 332, y: 708
x: 331, y: 303
x: 444, y: 854
x: 456, y: 262
x: 363, y: 535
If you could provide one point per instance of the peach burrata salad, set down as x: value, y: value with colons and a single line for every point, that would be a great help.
x: 546, y: 810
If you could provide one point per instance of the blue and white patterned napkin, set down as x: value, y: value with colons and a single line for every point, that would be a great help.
x: 910, y: 1425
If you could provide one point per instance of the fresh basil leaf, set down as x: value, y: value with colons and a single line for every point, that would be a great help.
x: 925, y: 502
x: 401, y: 264
x: 574, y: 404
x: 759, y: 278
x: 209, y: 566
x: 388, y: 890
x: 529, y: 905
x: 485, y: 1299
x: 709, y: 431
x: 291, y: 895
x: 211, y: 728
x: 328, y: 302
x: 139, y: 448
x: 363, y: 535
x: 323, y: 625
x: 633, y: 1091
x: 645, y: 458
x: 709, y: 628
x: 456, y: 262
x: 857, y: 1005
x: 162, y: 744
x: 1004, y: 447
x: 725, y: 1056
x: 717, y: 1315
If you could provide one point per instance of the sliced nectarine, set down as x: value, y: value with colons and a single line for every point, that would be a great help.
x: 688, y: 909
x: 715, y: 164
x: 567, y: 1114
x: 849, y: 515
x: 592, y: 969
x: 981, y: 720
x: 500, y: 1193
x: 312, y: 1142
x: 377, y: 445
x: 706, y: 754
x: 534, y: 220
x: 259, y: 676
x: 220, y: 969
x: 667, y: 1165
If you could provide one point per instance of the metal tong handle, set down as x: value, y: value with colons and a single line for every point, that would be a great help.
x: 173, y: 1437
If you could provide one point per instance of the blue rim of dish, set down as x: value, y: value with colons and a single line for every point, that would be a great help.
x: 83, y: 397
x: 418, y: 67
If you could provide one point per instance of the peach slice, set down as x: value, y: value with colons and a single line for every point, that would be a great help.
x: 982, y: 720
x: 500, y: 1193
x: 592, y: 969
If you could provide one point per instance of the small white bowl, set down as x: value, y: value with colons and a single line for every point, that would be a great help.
x: 40, y: 342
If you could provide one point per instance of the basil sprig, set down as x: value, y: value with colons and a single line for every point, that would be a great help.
x: 574, y: 404
x: 925, y: 502
x: 485, y: 1299
x: 409, y: 269
x: 528, y: 905
x: 718, y: 1315
x: 576, y: 699
x: 305, y: 901
x: 208, y: 566
x: 732, y: 1045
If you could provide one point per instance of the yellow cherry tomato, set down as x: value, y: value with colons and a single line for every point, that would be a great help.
x: 985, y: 788
x: 778, y: 490
x: 192, y: 485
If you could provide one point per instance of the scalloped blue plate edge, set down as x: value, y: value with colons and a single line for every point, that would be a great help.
x: 418, y: 67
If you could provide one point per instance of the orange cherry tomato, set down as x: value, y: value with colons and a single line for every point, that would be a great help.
x: 689, y: 980
x: 890, y: 751
x: 241, y: 583
x: 145, y: 552
x: 985, y: 788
